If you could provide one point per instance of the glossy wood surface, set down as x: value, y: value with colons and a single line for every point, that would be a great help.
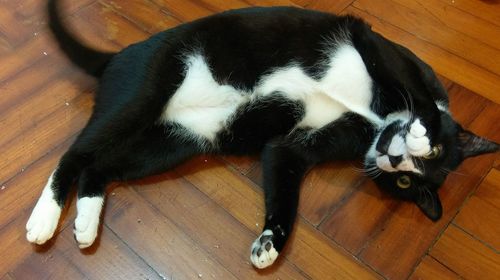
x: 198, y: 221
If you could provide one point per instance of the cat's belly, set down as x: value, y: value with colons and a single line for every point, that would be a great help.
x: 205, y: 107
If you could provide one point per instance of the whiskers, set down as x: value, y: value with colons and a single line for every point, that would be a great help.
x: 370, y: 170
x: 448, y: 171
x: 425, y: 195
x: 409, y: 106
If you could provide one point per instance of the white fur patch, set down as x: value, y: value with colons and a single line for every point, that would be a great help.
x: 348, y: 82
x: 320, y: 108
x: 200, y: 103
x: 442, y: 106
x: 384, y: 164
x: 45, y: 216
x: 397, y: 146
x: 262, y: 257
x: 87, y: 220
x: 204, y: 106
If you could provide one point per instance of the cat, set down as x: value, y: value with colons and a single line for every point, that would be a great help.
x: 299, y: 87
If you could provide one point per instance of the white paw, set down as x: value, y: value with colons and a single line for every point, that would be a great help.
x: 87, y: 220
x: 416, y: 142
x: 263, y: 252
x: 44, y: 219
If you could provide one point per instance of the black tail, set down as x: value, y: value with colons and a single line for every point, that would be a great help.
x: 91, y: 61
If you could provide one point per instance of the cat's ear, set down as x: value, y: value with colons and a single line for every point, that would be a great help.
x: 473, y: 145
x: 430, y: 204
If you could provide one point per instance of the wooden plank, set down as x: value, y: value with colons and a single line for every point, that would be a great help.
x: 368, y: 208
x: 14, y: 244
x: 486, y: 10
x: 447, y: 15
x: 489, y: 190
x: 275, y: 2
x: 324, y: 187
x: 451, y: 66
x: 18, y: 89
x: 329, y: 6
x: 466, y: 256
x: 244, y: 165
x: 147, y: 15
x: 429, y: 268
x: 23, y: 116
x: 221, y: 5
x: 308, y: 249
x: 29, y: 17
x: 7, y: 277
x: 49, y: 133
x: 157, y: 240
x: 210, y: 226
x: 111, y: 259
x: 425, y: 26
x: 21, y: 192
x: 105, y: 29
x: 48, y: 264
x: 23, y: 56
x: 465, y: 105
x: 188, y: 11
x: 479, y: 217
x: 303, y: 3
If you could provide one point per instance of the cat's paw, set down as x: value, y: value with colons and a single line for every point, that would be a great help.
x: 263, y: 252
x: 417, y: 143
x: 43, y: 221
x: 87, y: 220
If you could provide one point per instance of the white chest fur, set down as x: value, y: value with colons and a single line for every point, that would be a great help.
x: 204, y: 106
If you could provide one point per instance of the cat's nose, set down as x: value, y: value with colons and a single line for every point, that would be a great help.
x: 395, y: 160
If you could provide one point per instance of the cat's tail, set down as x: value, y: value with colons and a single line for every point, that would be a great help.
x: 91, y: 61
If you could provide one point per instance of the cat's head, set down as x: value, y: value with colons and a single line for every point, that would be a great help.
x: 411, y: 163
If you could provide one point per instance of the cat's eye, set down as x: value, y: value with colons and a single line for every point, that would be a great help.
x: 434, y: 153
x: 404, y: 182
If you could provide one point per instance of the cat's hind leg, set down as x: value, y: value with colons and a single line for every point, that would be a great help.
x: 45, y: 215
x: 155, y: 150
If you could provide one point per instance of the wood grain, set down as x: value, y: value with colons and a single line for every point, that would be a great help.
x: 245, y: 203
x: 479, y: 217
x: 429, y: 268
x: 198, y: 221
x: 476, y: 78
x: 466, y: 255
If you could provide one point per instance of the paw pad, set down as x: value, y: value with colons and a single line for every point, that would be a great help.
x: 263, y: 252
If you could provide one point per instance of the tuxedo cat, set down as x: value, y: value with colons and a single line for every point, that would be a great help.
x: 299, y: 87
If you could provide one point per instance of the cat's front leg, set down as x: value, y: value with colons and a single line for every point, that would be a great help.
x: 283, y: 169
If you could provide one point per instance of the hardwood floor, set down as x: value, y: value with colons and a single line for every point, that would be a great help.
x: 198, y: 221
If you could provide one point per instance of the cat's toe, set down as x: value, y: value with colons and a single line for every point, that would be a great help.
x: 417, y: 129
x: 417, y: 143
x: 418, y: 146
x: 43, y: 222
x: 263, y: 252
x: 85, y: 230
x: 87, y: 221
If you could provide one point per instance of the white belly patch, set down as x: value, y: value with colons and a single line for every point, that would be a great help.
x: 204, y: 106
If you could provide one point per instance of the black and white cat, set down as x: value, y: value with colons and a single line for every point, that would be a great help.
x: 299, y: 87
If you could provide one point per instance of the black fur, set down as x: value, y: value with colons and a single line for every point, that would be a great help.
x: 125, y: 140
